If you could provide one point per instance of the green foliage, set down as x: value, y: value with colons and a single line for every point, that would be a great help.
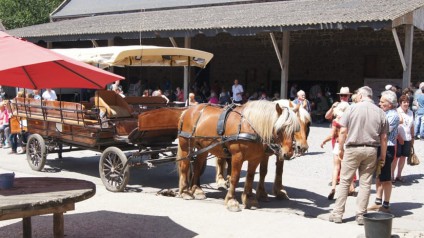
x: 21, y: 13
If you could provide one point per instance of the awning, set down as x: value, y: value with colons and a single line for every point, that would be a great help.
x: 136, y: 55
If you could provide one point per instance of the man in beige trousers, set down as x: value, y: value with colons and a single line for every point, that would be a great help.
x: 364, y: 128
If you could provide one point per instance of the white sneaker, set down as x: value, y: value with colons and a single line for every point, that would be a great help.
x: 20, y: 150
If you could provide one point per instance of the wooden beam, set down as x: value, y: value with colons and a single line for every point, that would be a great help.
x: 277, y: 51
x: 399, y: 48
x: 173, y: 42
x: 94, y: 42
x: 409, y: 40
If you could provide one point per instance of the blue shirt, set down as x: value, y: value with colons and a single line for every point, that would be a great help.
x: 420, y: 101
x: 393, y: 119
x: 308, y: 106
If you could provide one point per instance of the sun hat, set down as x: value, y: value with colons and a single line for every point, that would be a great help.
x: 388, y: 87
x: 344, y: 90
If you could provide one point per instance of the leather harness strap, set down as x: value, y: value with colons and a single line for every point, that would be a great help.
x: 220, y: 129
x: 271, y: 148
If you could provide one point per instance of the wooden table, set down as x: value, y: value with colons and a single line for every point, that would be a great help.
x: 38, y: 196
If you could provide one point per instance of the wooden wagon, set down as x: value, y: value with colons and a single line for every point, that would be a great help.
x: 144, y: 127
x: 110, y: 126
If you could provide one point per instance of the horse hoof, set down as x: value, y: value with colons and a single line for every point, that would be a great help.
x: 252, y: 205
x: 233, y: 206
x: 186, y: 196
x: 263, y: 198
x: 282, y: 195
x: 222, y: 185
x: 199, y: 196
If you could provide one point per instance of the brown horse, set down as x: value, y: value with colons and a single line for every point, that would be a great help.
x: 250, y: 133
x: 301, y: 145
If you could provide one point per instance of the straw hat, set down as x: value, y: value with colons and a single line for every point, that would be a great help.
x: 344, y: 90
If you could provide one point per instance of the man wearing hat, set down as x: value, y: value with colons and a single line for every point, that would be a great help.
x: 344, y: 95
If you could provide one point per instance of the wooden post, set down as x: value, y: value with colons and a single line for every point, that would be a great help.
x: 285, y: 70
x: 409, y: 39
x: 26, y: 227
x: 187, y: 44
x: 58, y: 226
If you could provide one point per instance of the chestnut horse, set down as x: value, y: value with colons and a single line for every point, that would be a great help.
x: 301, y: 145
x: 251, y: 132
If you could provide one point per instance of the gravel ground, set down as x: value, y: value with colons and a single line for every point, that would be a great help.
x: 141, y: 212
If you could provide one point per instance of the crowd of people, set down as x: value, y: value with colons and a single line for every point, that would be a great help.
x: 371, y: 139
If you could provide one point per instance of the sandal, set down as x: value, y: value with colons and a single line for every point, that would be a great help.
x: 400, y: 179
x: 331, y: 195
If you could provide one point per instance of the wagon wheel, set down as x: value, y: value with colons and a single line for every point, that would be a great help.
x: 36, y: 152
x: 111, y: 168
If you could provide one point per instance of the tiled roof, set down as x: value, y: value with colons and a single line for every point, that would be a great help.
x: 242, y: 19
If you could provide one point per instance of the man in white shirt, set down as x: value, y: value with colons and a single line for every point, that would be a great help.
x: 237, y: 92
x: 49, y: 95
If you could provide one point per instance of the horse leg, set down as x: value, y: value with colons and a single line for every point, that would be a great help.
x: 228, y: 160
x: 219, y: 178
x: 261, y: 194
x: 230, y: 199
x: 183, y: 169
x: 248, y: 198
x: 198, y: 166
x: 278, y: 189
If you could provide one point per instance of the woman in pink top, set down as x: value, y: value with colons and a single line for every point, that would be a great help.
x: 213, y: 99
x: 4, y: 125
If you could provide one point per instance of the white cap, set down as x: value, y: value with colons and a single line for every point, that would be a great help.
x: 388, y: 87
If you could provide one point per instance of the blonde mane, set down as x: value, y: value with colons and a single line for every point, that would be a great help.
x: 264, y: 118
x: 304, y: 115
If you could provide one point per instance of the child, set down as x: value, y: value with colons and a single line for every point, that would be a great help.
x: 335, y: 129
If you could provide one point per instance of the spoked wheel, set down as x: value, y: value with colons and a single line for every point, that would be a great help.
x: 36, y: 152
x: 111, y: 168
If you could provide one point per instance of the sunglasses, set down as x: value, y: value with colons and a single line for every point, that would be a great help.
x: 344, y: 95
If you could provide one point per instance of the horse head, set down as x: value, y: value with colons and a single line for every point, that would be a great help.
x: 300, y: 137
x: 304, y: 120
x: 284, y: 130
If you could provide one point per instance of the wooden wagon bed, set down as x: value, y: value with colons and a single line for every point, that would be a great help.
x: 106, y: 120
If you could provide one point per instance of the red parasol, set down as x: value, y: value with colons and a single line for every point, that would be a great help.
x: 26, y: 65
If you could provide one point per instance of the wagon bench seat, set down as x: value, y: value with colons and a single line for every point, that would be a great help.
x: 56, y: 111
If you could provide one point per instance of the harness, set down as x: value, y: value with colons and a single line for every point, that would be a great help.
x: 222, y: 139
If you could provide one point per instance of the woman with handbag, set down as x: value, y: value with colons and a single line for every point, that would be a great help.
x: 405, y: 138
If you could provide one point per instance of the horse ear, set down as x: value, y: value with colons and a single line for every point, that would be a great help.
x: 291, y: 105
x: 296, y: 109
x: 278, y: 108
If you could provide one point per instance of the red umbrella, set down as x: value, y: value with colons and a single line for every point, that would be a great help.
x: 26, y: 65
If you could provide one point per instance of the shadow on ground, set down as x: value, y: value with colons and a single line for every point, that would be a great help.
x: 103, y: 224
